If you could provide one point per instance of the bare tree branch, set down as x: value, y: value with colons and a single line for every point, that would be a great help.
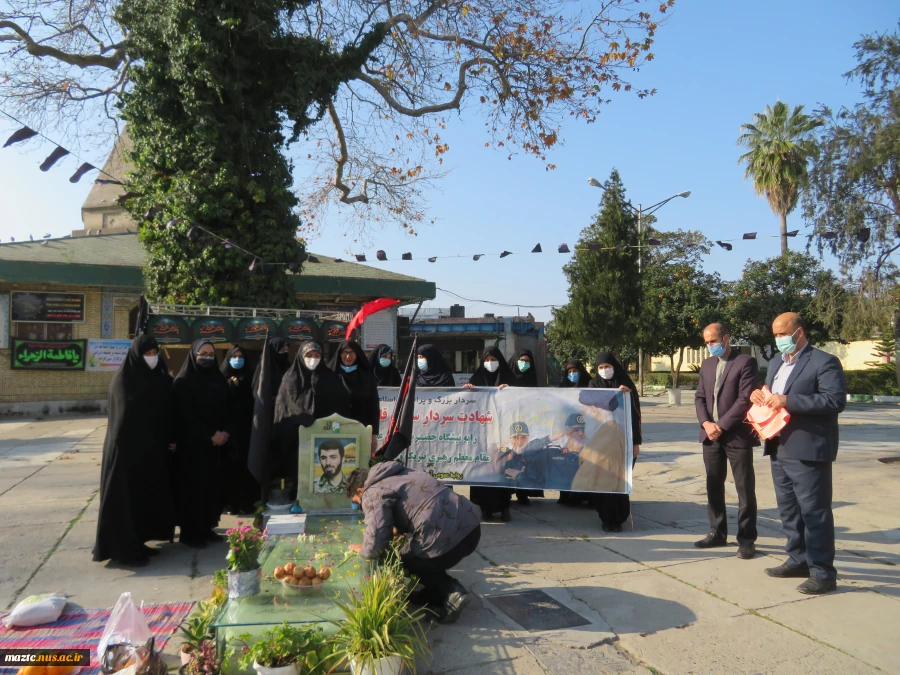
x: 79, y: 60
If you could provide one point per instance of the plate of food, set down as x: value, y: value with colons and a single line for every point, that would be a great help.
x: 302, y: 578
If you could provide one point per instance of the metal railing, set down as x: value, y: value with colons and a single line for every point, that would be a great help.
x: 248, y: 312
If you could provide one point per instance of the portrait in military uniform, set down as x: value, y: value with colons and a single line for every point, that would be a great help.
x: 551, y: 461
x: 333, y: 459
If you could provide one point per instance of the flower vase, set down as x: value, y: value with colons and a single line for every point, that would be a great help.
x: 389, y: 665
x: 281, y: 670
x: 244, y: 584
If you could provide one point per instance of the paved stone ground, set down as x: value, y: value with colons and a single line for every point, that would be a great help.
x: 655, y: 603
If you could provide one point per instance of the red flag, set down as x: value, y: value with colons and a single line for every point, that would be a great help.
x: 367, y: 310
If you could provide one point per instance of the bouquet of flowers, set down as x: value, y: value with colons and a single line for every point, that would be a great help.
x: 245, y: 543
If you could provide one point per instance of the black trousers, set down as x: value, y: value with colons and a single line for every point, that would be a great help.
x: 741, y: 460
x: 432, y: 572
x: 803, y: 490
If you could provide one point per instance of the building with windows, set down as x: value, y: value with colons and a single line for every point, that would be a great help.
x: 67, y: 304
x: 462, y: 339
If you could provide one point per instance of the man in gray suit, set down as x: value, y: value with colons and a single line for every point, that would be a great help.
x: 810, y: 385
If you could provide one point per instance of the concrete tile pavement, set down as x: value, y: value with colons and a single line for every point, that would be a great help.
x: 656, y: 604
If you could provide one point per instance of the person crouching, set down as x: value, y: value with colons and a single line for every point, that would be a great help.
x: 442, y: 528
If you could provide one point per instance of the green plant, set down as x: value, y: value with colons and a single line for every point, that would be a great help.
x: 244, y: 546
x: 204, y: 660
x: 220, y: 579
x: 377, y: 622
x: 196, y: 629
x: 287, y: 645
x: 779, y: 147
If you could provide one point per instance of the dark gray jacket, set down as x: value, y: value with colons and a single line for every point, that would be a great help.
x: 816, y: 393
x: 416, y: 504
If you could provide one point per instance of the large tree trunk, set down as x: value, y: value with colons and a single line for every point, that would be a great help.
x: 784, y: 237
x: 676, y: 368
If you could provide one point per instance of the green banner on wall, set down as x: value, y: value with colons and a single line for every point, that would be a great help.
x: 48, y: 354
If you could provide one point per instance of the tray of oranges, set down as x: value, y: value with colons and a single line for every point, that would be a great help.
x: 300, y: 578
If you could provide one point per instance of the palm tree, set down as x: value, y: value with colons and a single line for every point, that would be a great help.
x: 779, y: 146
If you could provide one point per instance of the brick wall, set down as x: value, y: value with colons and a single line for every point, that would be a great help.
x: 23, y: 386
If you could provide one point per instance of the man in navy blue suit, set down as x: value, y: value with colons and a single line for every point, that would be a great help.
x: 810, y: 385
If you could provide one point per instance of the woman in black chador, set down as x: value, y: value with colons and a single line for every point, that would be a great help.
x: 522, y: 367
x: 135, y: 492
x: 381, y: 360
x: 576, y: 377
x: 241, y: 489
x: 493, y: 372
x: 614, y: 509
x: 432, y: 369
x: 352, y: 366
x: 204, y: 425
x: 280, y: 353
x: 309, y: 391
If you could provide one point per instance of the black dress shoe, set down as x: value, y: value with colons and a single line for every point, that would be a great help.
x: 746, y: 551
x: 606, y: 527
x: 813, y: 586
x: 523, y: 500
x: 788, y: 571
x: 711, y: 541
x: 505, y: 516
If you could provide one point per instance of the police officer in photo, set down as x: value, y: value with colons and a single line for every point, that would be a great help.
x: 513, y: 449
x: 552, y: 461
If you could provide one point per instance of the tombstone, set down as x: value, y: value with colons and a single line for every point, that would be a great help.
x: 329, y: 450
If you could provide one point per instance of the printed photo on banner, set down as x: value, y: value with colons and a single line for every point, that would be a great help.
x: 523, y: 438
x: 334, y: 457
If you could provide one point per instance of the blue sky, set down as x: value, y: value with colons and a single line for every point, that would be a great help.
x: 716, y: 64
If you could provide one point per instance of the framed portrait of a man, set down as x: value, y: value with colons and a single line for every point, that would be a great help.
x: 333, y: 460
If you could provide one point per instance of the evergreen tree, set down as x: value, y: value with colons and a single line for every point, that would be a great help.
x: 604, y: 284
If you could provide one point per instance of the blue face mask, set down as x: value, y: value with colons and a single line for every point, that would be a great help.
x: 423, y: 365
x: 786, y: 345
x: 573, y: 377
x: 717, y: 350
x: 385, y: 363
x: 524, y: 365
x: 348, y: 369
x: 237, y: 364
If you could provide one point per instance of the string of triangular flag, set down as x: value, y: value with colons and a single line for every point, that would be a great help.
x: 25, y: 133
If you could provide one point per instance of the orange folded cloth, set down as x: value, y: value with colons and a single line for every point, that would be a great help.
x: 768, y: 423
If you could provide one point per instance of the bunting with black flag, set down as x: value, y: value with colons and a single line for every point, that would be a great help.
x: 263, y: 414
x: 400, y: 428
x: 143, y: 317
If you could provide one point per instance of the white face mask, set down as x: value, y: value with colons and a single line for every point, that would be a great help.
x: 606, y: 373
x: 422, y: 364
x: 311, y: 363
x: 491, y: 366
x: 151, y: 360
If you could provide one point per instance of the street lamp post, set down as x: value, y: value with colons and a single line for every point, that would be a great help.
x: 640, y: 212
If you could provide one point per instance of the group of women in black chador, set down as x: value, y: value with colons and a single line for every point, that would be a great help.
x: 176, y: 451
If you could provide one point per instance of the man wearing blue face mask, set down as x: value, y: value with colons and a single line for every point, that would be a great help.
x: 809, y: 384
x: 727, y: 379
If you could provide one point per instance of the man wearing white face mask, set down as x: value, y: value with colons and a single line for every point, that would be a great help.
x: 727, y: 379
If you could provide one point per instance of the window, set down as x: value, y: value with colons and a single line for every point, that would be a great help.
x: 44, y: 331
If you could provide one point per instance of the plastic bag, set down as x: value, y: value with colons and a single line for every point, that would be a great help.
x: 768, y: 423
x: 142, y: 660
x: 127, y: 626
x: 35, y: 610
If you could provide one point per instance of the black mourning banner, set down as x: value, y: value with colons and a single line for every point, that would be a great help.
x: 47, y: 307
